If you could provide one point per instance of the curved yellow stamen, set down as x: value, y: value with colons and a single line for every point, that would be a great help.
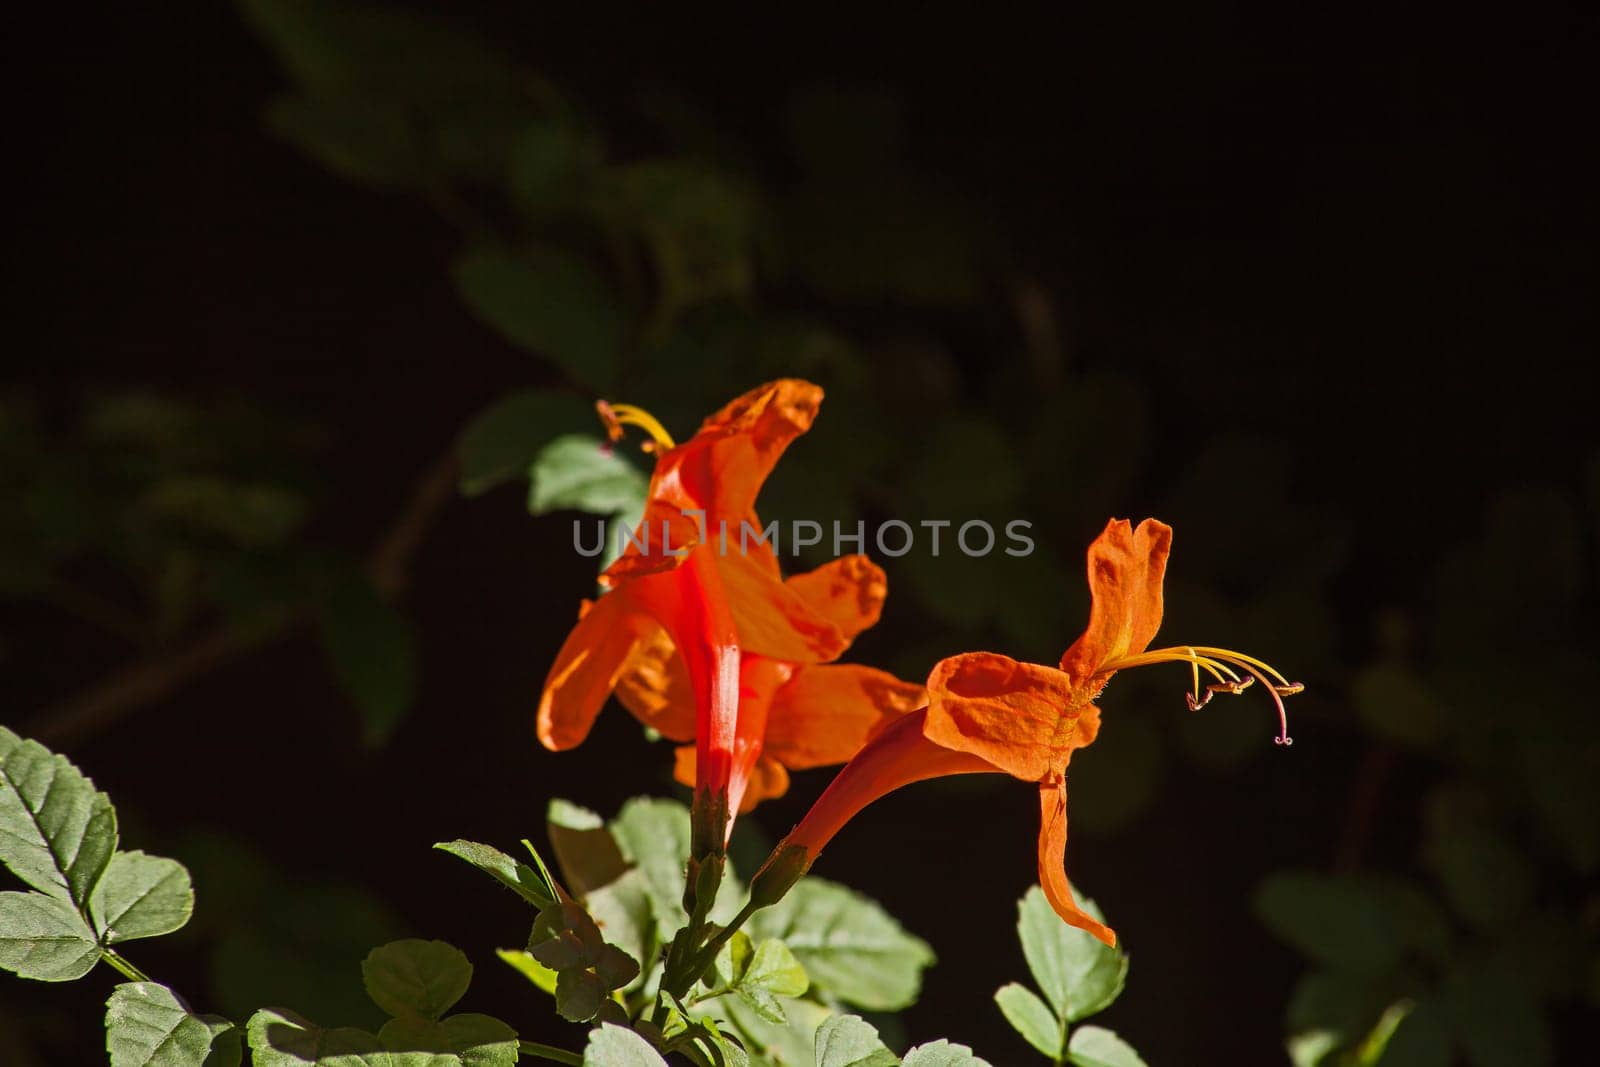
x: 1234, y: 673
x: 616, y: 416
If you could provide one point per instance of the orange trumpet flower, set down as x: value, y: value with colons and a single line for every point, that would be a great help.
x: 989, y: 713
x: 792, y: 716
x: 692, y: 575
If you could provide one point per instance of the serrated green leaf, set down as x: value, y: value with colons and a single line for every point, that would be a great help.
x: 44, y: 938
x: 470, y: 1040
x: 848, y: 945
x: 524, y: 964
x: 1078, y: 974
x: 942, y: 1053
x: 580, y: 472
x: 1094, y: 1046
x: 147, y: 1026
x: 57, y: 833
x: 502, y: 441
x: 1032, y: 1018
x: 623, y: 912
x: 774, y: 968
x: 280, y: 1038
x: 579, y: 994
x: 416, y: 977
x: 141, y: 896
x: 526, y: 882
x: 617, y: 1046
x: 759, y: 975
x: 549, y: 303
x: 585, y: 850
x: 849, y: 1041
x: 733, y: 959
x: 787, y: 1044
x: 653, y: 835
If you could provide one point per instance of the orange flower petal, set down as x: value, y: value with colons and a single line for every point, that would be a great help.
x: 1052, y: 861
x: 773, y: 619
x: 654, y: 686
x: 719, y: 472
x: 759, y: 680
x: 897, y: 756
x: 1126, y: 567
x: 1022, y: 717
x: 691, y: 606
x: 594, y: 654
x: 826, y: 713
x: 848, y: 592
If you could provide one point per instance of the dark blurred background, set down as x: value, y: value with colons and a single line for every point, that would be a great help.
x: 1316, y: 290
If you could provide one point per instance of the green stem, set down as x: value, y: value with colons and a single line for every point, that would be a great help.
x: 549, y: 1052
x: 687, y: 976
x: 128, y: 970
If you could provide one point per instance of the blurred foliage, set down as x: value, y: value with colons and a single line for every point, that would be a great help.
x: 1464, y: 954
x: 677, y: 274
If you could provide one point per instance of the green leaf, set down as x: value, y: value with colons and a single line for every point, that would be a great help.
x: 1359, y: 925
x: 849, y: 1041
x: 617, y: 1046
x: 582, y: 473
x: 415, y: 977
x: 1330, y: 1010
x: 524, y: 964
x: 515, y: 875
x: 786, y: 1044
x: 369, y: 646
x: 501, y: 442
x: 761, y: 974
x: 1422, y: 1039
x: 283, y: 1039
x: 942, y: 1053
x: 147, y: 1026
x: 56, y: 832
x: 1032, y: 1018
x: 549, y: 303
x: 585, y: 850
x: 1078, y: 974
x: 849, y: 946
x: 45, y: 938
x: 653, y: 835
x: 1377, y: 1040
x: 579, y: 994
x: 1093, y: 1046
x: 470, y: 1040
x: 141, y: 896
x: 623, y: 912
x: 774, y: 968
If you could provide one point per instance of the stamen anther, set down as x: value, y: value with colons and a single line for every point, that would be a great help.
x: 615, y: 416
